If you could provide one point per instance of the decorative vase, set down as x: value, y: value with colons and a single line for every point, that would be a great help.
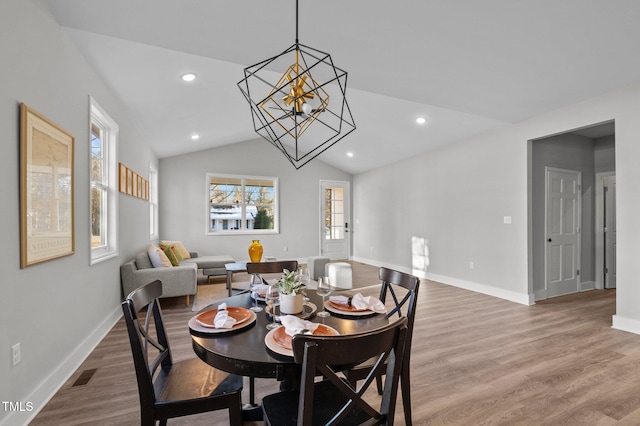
x: 255, y: 251
x: 291, y: 303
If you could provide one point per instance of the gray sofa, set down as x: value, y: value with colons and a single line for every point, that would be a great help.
x: 179, y: 280
x: 212, y: 266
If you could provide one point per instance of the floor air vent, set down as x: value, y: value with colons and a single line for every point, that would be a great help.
x: 84, y: 378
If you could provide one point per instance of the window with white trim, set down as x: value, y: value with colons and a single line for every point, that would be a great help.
x: 242, y: 204
x: 153, y: 204
x: 104, y: 189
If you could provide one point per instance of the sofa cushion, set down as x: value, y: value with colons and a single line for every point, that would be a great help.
x: 143, y: 261
x: 157, y: 257
x: 209, y: 262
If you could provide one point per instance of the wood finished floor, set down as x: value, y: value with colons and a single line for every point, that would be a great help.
x: 476, y: 360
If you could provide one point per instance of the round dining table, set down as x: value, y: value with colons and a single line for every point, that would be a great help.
x: 245, y: 353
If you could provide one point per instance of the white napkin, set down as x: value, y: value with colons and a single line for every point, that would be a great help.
x: 340, y: 300
x: 359, y: 301
x: 259, y: 290
x: 295, y: 325
x: 222, y: 319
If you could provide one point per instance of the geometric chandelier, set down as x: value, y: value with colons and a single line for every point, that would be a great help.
x: 303, y: 112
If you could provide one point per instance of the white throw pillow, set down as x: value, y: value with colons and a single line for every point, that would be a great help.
x: 157, y: 257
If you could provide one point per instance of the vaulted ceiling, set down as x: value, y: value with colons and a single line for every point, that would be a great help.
x: 468, y: 66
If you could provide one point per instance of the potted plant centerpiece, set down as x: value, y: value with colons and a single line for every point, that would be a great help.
x: 291, y: 292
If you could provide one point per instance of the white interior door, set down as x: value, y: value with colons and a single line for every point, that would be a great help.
x: 610, y: 232
x: 562, y: 257
x: 334, y: 219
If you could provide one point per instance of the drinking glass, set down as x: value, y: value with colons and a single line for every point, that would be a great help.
x: 272, y: 297
x: 254, y: 282
x: 305, y: 278
x: 324, y: 289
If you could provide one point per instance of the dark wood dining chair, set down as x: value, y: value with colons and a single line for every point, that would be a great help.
x: 169, y: 389
x: 273, y: 267
x: 334, y: 400
x: 403, y: 306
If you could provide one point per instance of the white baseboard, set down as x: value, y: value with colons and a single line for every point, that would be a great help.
x: 587, y: 285
x: 54, y: 381
x: 378, y: 263
x: 512, y: 296
x: 626, y: 324
x: 541, y: 294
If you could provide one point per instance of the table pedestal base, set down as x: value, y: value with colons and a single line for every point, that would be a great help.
x: 252, y: 412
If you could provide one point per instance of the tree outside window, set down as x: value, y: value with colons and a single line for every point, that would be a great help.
x: 103, y: 140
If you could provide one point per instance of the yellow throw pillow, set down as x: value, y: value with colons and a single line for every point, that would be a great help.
x: 179, y: 247
x: 165, y: 260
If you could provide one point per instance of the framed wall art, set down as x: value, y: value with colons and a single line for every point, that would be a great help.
x: 123, y: 178
x: 134, y: 180
x: 129, y: 181
x: 46, y: 189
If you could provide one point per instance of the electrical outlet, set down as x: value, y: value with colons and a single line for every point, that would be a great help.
x: 15, y: 354
x: 286, y: 248
x: 471, y: 265
x: 507, y: 220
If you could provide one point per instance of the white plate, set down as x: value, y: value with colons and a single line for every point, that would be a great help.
x: 271, y: 344
x: 331, y: 308
x: 194, y: 325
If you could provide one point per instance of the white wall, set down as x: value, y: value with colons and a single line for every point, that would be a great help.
x: 183, y: 208
x: 60, y: 309
x: 456, y: 197
x: 605, y: 156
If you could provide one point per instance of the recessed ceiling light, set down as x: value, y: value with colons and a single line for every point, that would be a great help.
x: 195, y: 137
x: 421, y: 120
x: 188, y: 77
x: 349, y: 154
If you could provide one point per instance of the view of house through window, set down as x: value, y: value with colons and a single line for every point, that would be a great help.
x: 104, y: 190
x: 238, y: 203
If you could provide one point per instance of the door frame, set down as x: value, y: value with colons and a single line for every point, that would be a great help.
x: 347, y: 214
x: 548, y: 169
x: 599, y: 224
